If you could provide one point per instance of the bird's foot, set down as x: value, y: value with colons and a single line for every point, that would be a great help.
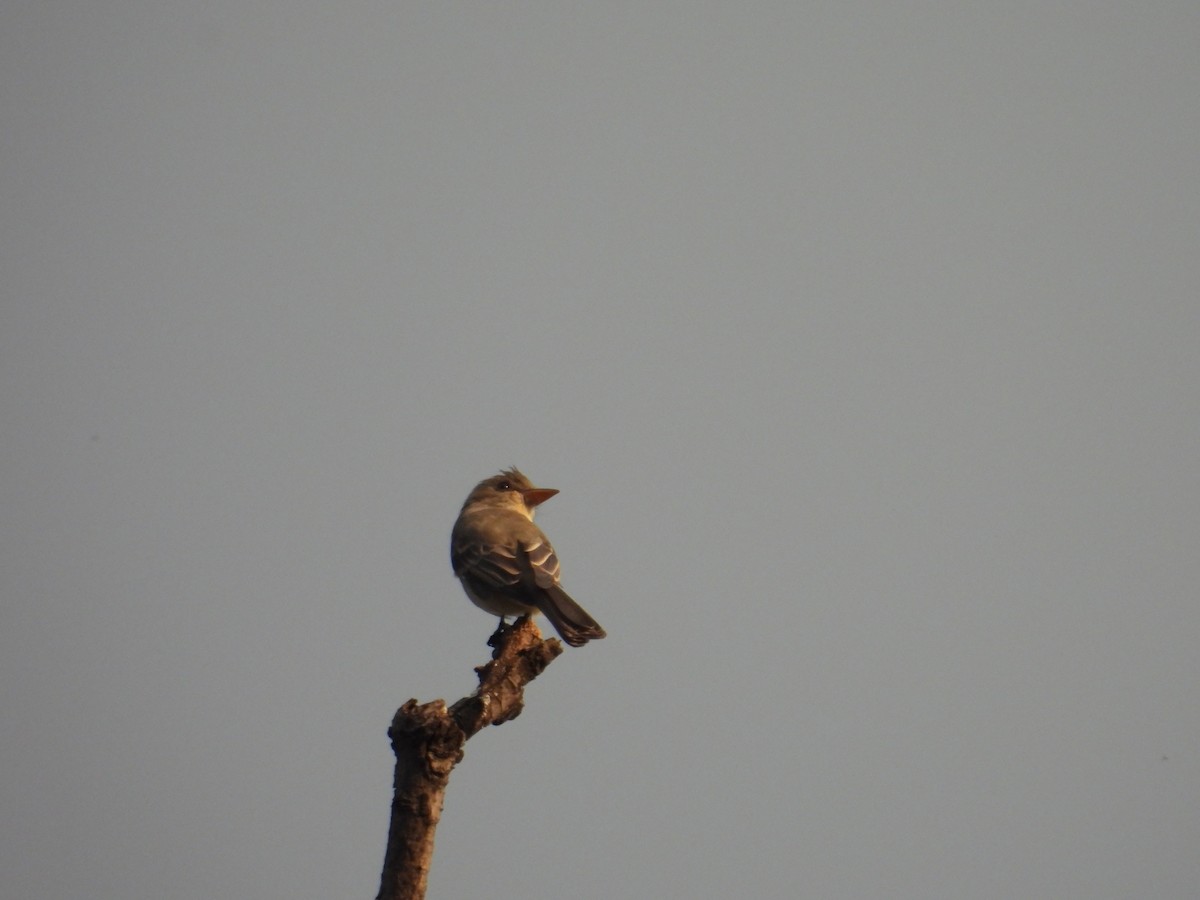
x: 500, y: 631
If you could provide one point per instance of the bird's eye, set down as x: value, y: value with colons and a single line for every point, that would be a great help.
x: 504, y: 486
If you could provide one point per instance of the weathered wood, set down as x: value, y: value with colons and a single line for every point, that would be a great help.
x: 428, y: 742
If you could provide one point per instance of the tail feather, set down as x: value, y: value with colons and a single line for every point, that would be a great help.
x: 569, y: 619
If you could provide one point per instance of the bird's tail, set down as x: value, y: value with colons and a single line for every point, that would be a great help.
x: 569, y: 619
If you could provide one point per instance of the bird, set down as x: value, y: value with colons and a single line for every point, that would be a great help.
x: 506, y: 564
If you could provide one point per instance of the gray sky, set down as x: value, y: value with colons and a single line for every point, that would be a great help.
x: 862, y: 339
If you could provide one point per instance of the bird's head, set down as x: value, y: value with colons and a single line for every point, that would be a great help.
x: 509, y: 490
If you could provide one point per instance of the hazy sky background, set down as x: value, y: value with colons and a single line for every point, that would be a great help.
x: 862, y: 340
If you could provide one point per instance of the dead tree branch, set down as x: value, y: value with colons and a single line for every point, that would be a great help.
x: 428, y: 741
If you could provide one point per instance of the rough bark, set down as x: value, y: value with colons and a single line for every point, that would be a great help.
x: 428, y: 742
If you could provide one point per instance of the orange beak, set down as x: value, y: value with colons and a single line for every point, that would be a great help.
x: 535, y: 496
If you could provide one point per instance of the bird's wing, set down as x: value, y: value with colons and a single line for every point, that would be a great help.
x: 503, y: 567
x: 493, y: 564
x: 543, y: 562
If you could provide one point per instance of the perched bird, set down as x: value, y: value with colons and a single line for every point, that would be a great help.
x: 505, y: 563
